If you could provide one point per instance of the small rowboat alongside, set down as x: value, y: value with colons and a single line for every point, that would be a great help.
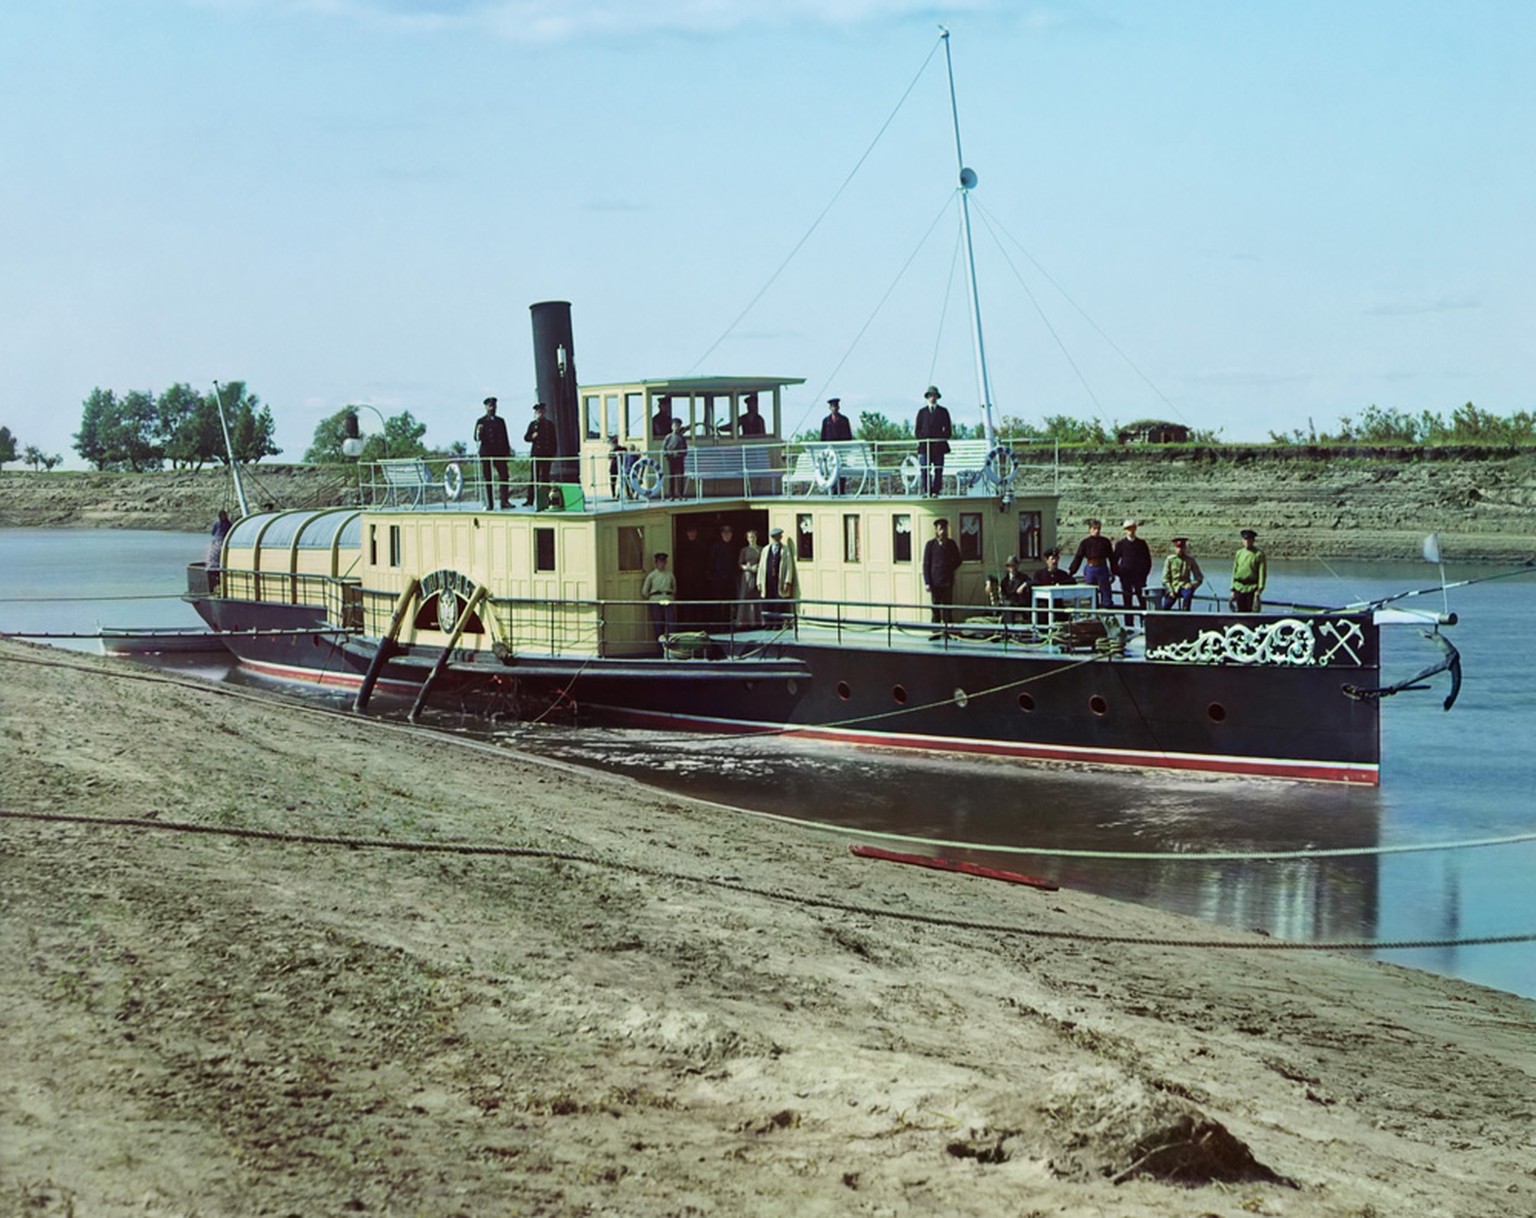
x: 133, y: 641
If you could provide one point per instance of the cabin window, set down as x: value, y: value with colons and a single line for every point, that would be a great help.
x: 850, y: 539
x: 543, y: 549
x: 901, y: 537
x: 805, y: 537
x: 396, y: 550
x: 636, y: 426
x: 631, y: 548
x: 1029, y: 534
x: 970, y: 536
x: 373, y: 545
x: 590, y: 418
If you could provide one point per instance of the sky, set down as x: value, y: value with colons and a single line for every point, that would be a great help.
x: 1250, y: 218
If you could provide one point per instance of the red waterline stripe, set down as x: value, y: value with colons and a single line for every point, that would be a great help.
x: 1351, y: 773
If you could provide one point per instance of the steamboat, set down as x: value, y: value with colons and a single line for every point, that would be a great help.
x: 427, y: 588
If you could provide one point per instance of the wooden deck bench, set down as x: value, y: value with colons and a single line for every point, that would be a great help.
x: 406, y: 480
x: 819, y: 465
x: 746, y: 469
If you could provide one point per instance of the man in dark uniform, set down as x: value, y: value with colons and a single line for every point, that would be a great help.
x: 661, y: 424
x: 751, y: 423
x: 941, y: 563
x: 933, y: 432
x: 1016, y: 589
x: 494, y: 448
x: 836, y: 428
x: 542, y: 447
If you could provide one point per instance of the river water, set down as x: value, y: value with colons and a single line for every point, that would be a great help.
x: 1447, y: 778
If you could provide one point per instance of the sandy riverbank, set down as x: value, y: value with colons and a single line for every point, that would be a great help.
x: 689, y: 1011
x: 1347, y: 504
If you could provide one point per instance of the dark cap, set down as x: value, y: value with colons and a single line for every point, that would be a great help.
x: 1012, y: 561
x: 489, y: 402
x: 661, y: 556
x: 1095, y: 524
x: 540, y: 406
x: 1248, y: 535
x: 1178, y: 541
x: 834, y: 401
x: 932, y: 392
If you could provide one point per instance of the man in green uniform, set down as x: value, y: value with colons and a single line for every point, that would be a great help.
x: 1249, y: 572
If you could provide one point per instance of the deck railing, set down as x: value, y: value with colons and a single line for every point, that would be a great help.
x: 799, y: 468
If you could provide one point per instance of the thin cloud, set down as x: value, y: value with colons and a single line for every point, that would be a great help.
x: 1413, y: 307
x: 539, y: 22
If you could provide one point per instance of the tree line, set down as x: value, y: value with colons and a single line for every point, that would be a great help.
x: 32, y: 455
x: 180, y: 427
x: 1467, y: 425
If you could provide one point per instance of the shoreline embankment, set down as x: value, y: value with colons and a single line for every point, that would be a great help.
x: 1372, y: 504
x: 263, y: 958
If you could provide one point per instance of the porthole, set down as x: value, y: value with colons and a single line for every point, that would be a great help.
x: 899, y: 692
x: 793, y: 686
x: 961, y: 697
x: 844, y: 690
x: 1216, y: 712
x: 1097, y: 705
x: 1026, y: 702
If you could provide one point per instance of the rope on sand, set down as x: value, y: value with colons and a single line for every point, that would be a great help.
x: 811, y: 902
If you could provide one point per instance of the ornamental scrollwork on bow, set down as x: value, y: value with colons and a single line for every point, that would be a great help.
x: 1287, y: 641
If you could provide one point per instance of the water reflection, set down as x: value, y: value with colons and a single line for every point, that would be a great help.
x: 1000, y: 808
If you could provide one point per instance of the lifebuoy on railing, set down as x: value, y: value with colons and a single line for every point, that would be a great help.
x: 999, y: 467
x: 453, y: 481
x: 643, y: 478
x: 911, y: 472
x: 828, y: 466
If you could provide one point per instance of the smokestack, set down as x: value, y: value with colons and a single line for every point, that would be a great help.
x: 554, y: 367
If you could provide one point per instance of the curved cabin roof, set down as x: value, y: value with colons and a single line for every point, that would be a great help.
x: 304, y: 541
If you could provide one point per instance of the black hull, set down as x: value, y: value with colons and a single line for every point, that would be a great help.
x: 1218, y: 717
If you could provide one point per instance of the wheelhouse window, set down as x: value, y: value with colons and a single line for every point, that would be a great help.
x: 805, y: 537
x: 396, y: 548
x: 631, y: 548
x: 850, y: 538
x: 901, y: 537
x: 1029, y: 534
x: 373, y: 545
x: 543, y: 549
x: 970, y: 536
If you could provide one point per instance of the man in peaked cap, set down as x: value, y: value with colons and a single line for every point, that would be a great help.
x: 543, y: 445
x: 835, y: 428
x: 1249, y: 574
x: 494, y: 447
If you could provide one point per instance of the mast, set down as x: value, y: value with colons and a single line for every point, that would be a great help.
x: 229, y: 449
x: 967, y: 182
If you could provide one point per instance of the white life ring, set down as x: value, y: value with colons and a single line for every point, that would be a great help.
x: 999, y: 467
x: 911, y: 473
x: 453, y: 481
x: 828, y: 466
x: 643, y: 478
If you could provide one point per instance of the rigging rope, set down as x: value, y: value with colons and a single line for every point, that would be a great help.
x: 816, y: 223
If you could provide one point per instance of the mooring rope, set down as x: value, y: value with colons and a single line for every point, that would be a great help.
x: 266, y: 700
x: 472, y: 849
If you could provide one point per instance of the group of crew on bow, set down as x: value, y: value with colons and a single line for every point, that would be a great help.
x: 1129, y: 562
